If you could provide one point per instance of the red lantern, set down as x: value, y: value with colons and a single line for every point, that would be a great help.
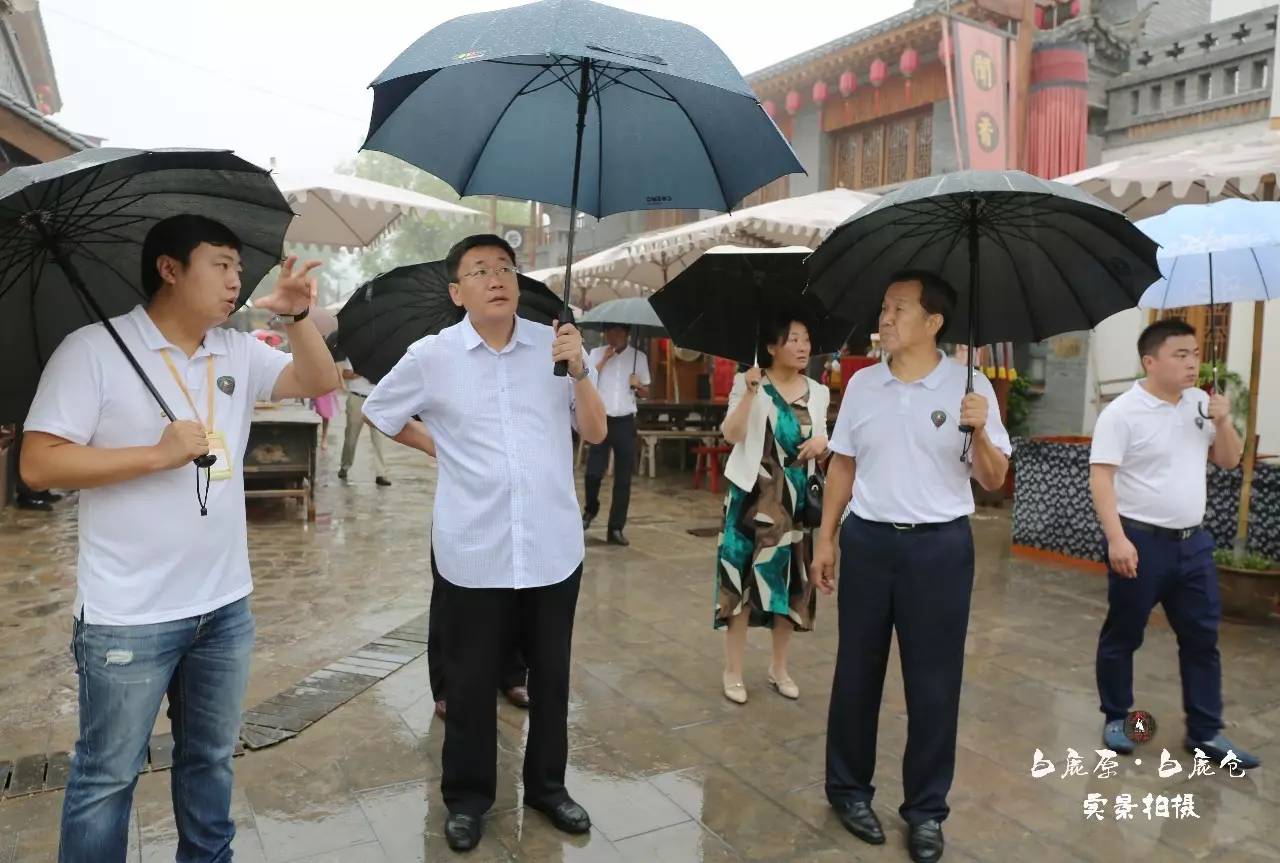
x: 1042, y: 17
x: 819, y: 92
x: 848, y: 83
x: 877, y: 75
x: 907, y: 65
x: 1075, y: 8
x: 793, y: 102
x: 770, y: 107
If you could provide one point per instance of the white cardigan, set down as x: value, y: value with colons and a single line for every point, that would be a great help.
x: 743, y: 466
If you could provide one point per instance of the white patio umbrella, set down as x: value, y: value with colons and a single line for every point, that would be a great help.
x: 342, y: 211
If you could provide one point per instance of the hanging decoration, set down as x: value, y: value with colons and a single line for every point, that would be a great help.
x: 908, y: 63
x: 793, y: 102
x: 877, y: 75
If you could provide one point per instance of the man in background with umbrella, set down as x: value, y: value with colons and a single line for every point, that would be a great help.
x: 506, y: 530
x: 906, y: 555
x: 1147, y: 476
x: 162, y: 601
x: 624, y: 374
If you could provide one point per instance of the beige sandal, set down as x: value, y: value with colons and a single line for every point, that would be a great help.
x: 735, y: 692
x: 786, y: 687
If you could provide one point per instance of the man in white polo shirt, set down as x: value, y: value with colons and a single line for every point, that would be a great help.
x: 1147, y: 475
x: 624, y: 375
x: 506, y: 541
x: 162, y: 589
x: 906, y: 555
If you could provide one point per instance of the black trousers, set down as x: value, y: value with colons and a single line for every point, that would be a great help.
x: 475, y: 630
x: 513, y: 672
x: 916, y: 583
x: 622, y: 442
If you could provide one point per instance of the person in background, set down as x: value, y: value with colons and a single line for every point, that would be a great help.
x: 777, y: 423
x: 358, y: 389
x: 624, y: 374
x: 1147, y: 476
x: 326, y: 406
x: 902, y: 473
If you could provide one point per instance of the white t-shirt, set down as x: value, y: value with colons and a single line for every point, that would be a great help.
x: 1161, y: 452
x: 906, y: 442
x: 615, y: 379
x: 146, y: 553
x: 358, y: 385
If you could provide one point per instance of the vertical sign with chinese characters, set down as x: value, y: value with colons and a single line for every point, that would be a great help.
x: 981, y: 95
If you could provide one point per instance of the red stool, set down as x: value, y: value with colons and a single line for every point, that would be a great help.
x: 708, y: 464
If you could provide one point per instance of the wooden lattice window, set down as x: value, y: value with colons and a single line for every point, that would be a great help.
x: 1213, y: 327
x: 775, y: 191
x: 898, y: 151
x: 884, y: 151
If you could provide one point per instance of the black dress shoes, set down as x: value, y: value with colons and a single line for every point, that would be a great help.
x: 925, y: 842
x: 616, y: 538
x: 860, y: 820
x: 462, y: 832
x: 566, y: 816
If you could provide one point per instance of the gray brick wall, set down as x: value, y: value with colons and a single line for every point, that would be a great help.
x: 1170, y: 16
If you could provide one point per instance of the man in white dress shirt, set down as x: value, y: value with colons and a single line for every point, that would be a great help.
x: 903, y: 467
x: 624, y: 374
x: 1147, y: 476
x: 506, y: 534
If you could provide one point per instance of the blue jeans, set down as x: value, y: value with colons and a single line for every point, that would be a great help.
x: 202, y: 663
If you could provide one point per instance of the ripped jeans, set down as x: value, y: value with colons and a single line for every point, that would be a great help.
x: 202, y: 664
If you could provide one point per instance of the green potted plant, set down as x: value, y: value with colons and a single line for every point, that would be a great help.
x: 1249, y: 584
x: 1232, y: 385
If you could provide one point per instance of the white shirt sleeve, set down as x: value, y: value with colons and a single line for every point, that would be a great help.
x: 995, y: 428
x: 266, y: 364
x: 1110, y: 437
x: 642, y: 369
x: 68, y: 401
x: 593, y: 376
x: 398, y: 396
x: 842, y: 437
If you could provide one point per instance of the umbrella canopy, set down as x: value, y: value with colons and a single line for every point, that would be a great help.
x: 1049, y: 258
x: 633, y: 312
x: 656, y: 115
x: 390, y: 312
x: 71, y: 235
x: 342, y: 211
x: 1218, y: 253
x: 719, y: 304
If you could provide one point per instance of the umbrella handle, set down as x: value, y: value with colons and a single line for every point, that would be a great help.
x: 973, y: 301
x: 73, y: 276
x: 584, y: 83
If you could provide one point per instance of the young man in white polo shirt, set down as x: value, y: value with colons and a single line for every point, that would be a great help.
x: 162, y: 589
x: 906, y: 555
x: 1147, y: 475
x: 624, y: 375
x: 505, y: 535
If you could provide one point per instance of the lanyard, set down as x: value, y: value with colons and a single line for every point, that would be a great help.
x: 201, y: 497
x: 209, y: 387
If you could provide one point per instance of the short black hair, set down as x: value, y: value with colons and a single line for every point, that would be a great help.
x: 475, y: 241
x: 774, y: 329
x: 1158, y: 333
x: 177, y: 237
x: 936, y: 294
x: 626, y: 328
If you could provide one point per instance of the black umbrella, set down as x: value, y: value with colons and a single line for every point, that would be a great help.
x: 720, y: 302
x: 1044, y: 258
x: 390, y: 312
x: 656, y: 115
x: 71, y: 235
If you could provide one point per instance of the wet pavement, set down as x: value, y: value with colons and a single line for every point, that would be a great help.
x: 669, y: 769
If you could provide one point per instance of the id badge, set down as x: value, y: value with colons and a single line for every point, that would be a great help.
x: 218, y: 447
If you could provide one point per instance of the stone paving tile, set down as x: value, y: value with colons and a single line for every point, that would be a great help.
x: 669, y: 770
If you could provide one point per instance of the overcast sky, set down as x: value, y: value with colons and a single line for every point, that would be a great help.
x: 289, y: 78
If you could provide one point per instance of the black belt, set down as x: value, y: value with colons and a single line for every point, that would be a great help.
x: 922, y: 527
x: 1175, y: 533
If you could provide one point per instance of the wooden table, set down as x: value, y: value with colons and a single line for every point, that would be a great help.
x: 680, y: 415
x: 280, y: 459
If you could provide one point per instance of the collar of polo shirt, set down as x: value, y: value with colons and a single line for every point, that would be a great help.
x: 155, y: 340
x: 929, y: 381
x: 1152, y: 400
x: 472, y: 339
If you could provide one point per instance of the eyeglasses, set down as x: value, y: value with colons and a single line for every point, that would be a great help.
x: 484, y: 273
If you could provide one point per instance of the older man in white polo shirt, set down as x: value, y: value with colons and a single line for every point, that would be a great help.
x: 906, y: 555
x: 1147, y: 475
x: 162, y: 589
x: 624, y: 374
x: 505, y: 534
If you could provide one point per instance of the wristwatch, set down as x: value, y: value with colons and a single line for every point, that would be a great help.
x: 293, y: 319
x: 586, y: 373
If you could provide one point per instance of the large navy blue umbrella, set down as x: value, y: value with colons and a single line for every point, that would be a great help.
x: 656, y: 115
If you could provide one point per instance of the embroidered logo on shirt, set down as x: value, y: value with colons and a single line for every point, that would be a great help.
x: 938, y: 417
x: 227, y: 384
x: 1199, y: 422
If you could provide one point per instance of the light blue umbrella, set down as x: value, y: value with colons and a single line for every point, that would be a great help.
x: 1226, y: 252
